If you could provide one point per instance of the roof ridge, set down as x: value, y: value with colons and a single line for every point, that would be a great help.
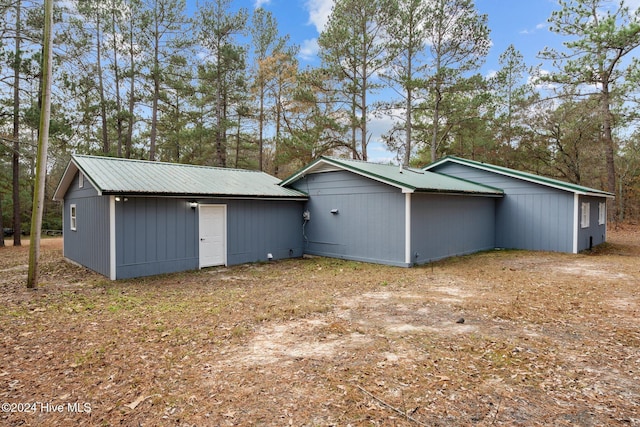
x: 122, y: 159
x: 524, y: 175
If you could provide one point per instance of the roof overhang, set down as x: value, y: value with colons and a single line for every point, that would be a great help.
x: 324, y: 164
x: 74, y: 167
x: 67, y: 179
x: 203, y: 196
x: 502, y: 171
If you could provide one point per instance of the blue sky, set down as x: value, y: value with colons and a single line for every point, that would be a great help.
x: 522, y: 23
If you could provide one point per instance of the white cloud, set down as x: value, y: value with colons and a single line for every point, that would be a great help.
x: 540, y: 85
x: 309, y: 49
x: 633, y: 5
x: 261, y: 3
x: 540, y: 26
x: 319, y: 11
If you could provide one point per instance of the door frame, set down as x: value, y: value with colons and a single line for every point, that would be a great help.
x: 224, y: 233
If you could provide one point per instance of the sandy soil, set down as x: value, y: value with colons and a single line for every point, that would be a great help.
x: 547, y: 339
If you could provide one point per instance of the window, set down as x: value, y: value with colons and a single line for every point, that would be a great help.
x: 80, y: 180
x: 584, y: 219
x: 72, y: 217
x: 602, y: 213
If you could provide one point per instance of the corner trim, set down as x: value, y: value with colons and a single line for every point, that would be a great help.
x: 112, y: 237
x: 576, y: 221
x: 407, y: 228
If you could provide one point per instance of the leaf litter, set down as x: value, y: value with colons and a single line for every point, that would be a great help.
x: 547, y: 338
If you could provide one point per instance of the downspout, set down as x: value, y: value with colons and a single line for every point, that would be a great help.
x: 576, y: 221
x: 64, y: 221
x: 112, y: 237
x: 407, y: 229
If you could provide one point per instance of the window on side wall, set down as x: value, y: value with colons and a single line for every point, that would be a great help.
x: 584, y: 217
x: 80, y: 180
x: 72, y: 217
x: 602, y: 213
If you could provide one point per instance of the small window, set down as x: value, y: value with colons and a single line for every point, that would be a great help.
x: 80, y: 180
x: 602, y: 213
x: 72, y: 218
x: 584, y: 219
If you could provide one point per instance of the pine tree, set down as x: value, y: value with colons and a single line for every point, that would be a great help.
x: 601, y: 35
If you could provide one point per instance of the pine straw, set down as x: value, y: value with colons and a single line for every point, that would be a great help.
x: 547, y: 339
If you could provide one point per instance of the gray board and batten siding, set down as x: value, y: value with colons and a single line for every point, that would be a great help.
x: 157, y: 235
x: 387, y: 215
x: 89, y: 243
x: 536, y: 213
x: 122, y: 233
x: 134, y: 218
x: 444, y: 226
x: 367, y: 223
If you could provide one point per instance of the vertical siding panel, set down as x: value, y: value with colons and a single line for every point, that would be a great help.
x: 89, y: 244
x: 370, y: 222
x: 531, y: 216
x: 258, y: 227
x: 444, y: 226
x: 147, y: 237
x: 151, y: 230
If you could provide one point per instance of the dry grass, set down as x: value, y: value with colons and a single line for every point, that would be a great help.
x: 548, y: 339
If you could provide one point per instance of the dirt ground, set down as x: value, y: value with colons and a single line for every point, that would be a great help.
x: 547, y: 339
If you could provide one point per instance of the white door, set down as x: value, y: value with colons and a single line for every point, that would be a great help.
x: 213, y: 235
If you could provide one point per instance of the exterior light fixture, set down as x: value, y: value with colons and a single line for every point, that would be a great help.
x: 335, y: 211
x: 117, y: 198
x: 193, y: 205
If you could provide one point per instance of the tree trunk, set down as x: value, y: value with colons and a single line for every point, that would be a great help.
x: 436, y: 122
x: 132, y: 88
x: 43, y: 142
x: 408, y: 113
x: 1, y: 224
x: 261, y: 123
x: 116, y: 76
x: 156, y: 91
x: 363, y: 119
x: 103, y: 104
x: 607, y: 136
x: 17, y: 220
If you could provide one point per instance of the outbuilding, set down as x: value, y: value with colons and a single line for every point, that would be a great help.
x: 536, y: 213
x: 130, y: 218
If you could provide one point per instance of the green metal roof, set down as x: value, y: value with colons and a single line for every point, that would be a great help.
x: 110, y: 175
x: 407, y: 179
x: 549, y: 182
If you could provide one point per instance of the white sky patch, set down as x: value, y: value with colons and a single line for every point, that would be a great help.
x: 261, y: 3
x: 309, y: 49
x: 538, y: 27
x: 319, y: 11
x: 377, y: 150
x: 541, y: 85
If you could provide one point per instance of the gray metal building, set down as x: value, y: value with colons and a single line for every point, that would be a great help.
x: 537, y: 213
x: 390, y: 215
x: 131, y: 218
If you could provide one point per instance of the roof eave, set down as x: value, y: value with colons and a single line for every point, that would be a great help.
x: 65, y: 182
x: 460, y: 193
x: 301, y: 197
x: 309, y: 169
x: 541, y: 181
x: 67, y: 178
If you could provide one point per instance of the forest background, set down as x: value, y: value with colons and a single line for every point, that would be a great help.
x: 217, y: 84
